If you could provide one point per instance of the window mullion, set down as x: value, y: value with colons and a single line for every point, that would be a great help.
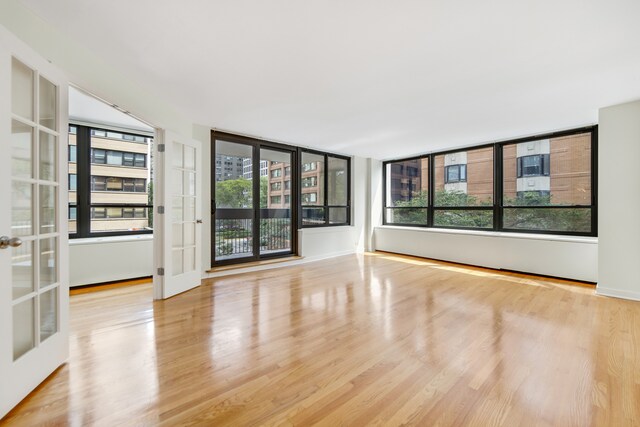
x: 432, y: 188
x: 83, y: 177
x: 326, y: 189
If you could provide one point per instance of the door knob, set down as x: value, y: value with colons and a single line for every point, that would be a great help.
x: 5, y: 242
x: 198, y: 221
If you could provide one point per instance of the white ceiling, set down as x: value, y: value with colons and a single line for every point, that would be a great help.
x: 373, y: 78
x: 85, y: 108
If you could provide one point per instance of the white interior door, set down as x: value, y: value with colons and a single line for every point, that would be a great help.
x: 34, y: 296
x: 179, y: 245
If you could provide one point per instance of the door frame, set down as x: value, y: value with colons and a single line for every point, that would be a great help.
x: 256, y: 144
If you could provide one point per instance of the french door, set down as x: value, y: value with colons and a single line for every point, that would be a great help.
x: 253, y: 199
x: 178, y: 241
x: 34, y: 296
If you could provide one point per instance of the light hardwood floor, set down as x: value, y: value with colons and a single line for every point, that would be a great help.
x: 376, y: 339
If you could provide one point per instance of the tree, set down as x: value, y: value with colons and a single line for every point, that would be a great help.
x: 417, y: 215
x: 555, y: 219
x: 515, y: 213
x: 150, y: 202
x: 234, y: 193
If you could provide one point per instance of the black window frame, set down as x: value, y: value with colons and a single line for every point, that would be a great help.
x: 86, y: 183
x: 498, y: 206
x: 459, y: 168
x: 325, y: 205
x: 544, y: 166
x: 256, y: 167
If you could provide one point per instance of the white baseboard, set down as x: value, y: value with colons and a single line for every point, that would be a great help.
x: 617, y: 293
x: 329, y: 255
x: 276, y: 265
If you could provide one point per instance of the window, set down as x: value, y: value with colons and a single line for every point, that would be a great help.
x: 536, y: 165
x: 276, y: 186
x: 287, y: 185
x: 128, y: 159
x: 105, y: 204
x: 276, y: 200
x: 325, y: 192
x: 547, y: 184
x: 114, y: 158
x: 141, y: 160
x: 98, y: 183
x: 311, y: 166
x: 455, y: 173
x: 463, y: 193
x: 276, y: 173
x: 287, y: 199
x: 309, y: 197
x: 98, y: 213
x: 98, y: 156
x: 310, y: 181
x: 114, y: 184
x: 287, y: 171
x: 545, y: 187
x: 407, y: 191
x: 131, y: 185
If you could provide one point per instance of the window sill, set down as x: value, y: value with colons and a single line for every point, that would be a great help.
x: 109, y: 239
x: 526, y: 236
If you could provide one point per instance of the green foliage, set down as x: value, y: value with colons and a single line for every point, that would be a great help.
x: 150, y: 202
x: 236, y: 193
x: 224, y: 248
x: 233, y: 193
x: 275, y: 233
x: 458, y: 199
x: 264, y: 198
x: 417, y: 215
x: 553, y: 219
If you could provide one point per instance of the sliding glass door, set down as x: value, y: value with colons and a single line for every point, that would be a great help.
x: 253, y: 193
x: 276, y: 231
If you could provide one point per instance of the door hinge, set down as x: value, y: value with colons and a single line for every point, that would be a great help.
x: 161, y: 272
x: 161, y: 148
x: 160, y: 210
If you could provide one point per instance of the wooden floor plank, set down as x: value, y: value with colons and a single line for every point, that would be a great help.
x: 374, y: 339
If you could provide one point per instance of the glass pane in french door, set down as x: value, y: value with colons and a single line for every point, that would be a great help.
x: 233, y: 228
x: 35, y: 277
x: 183, y: 217
x: 275, y: 202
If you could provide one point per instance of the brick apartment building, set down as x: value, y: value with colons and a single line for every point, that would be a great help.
x: 120, y: 173
x: 557, y: 167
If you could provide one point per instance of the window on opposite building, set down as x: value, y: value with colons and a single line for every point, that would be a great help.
x: 455, y: 173
x: 110, y: 175
x: 535, y: 165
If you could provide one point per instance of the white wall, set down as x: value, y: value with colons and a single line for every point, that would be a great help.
x: 567, y: 257
x: 88, y: 70
x: 91, y: 73
x: 560, y: 256
x: 110, y: 258
x: 619, y: 200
